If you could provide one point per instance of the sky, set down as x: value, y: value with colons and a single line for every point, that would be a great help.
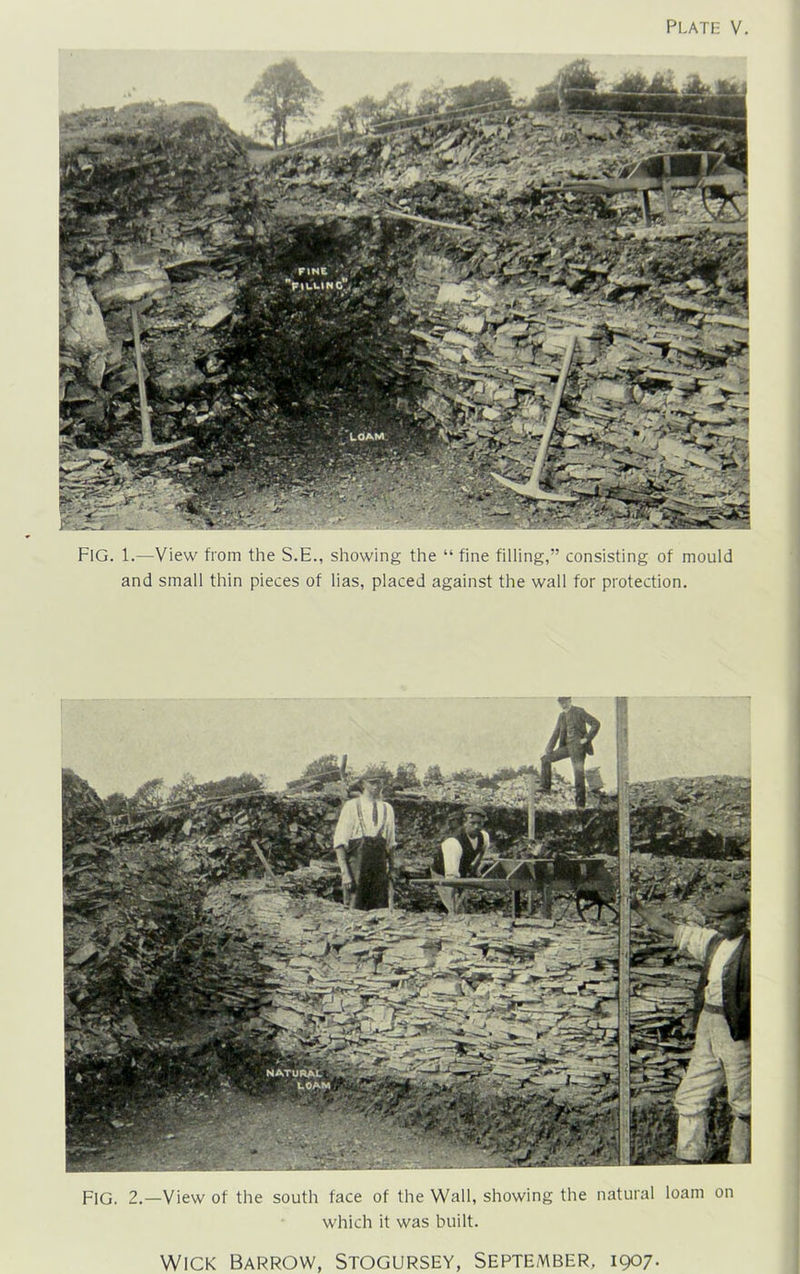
x: 115, y: 77
x: 118, y: 744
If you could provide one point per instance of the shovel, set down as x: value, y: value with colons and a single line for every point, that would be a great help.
x: 533, y: 488
x: 148, y: 447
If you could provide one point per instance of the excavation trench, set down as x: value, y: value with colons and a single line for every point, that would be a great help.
x: 351, y: 338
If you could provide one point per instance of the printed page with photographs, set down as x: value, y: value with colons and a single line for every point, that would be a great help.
x: 401, y: 862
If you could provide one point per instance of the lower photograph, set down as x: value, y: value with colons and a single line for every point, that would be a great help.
x: 406, y: 933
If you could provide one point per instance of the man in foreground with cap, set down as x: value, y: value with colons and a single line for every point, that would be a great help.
x: 572, y: 737
x: 461, y: 854
x: 721, y: 1053
x: 364, y: 843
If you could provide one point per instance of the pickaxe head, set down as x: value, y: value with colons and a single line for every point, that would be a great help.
x: 533, y: 491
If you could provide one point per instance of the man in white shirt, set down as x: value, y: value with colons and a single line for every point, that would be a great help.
x: 461, y: 855
x: 721, y: 1054
x: 364, y: 842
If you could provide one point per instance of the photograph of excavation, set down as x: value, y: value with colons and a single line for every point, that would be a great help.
x: 340, y: 934
x: 402, y: 291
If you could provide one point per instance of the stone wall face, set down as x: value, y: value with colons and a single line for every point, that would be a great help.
x: 451, y: 1000
x: 655, y: 412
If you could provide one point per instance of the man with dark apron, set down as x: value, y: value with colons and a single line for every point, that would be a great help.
x: 364, y: 842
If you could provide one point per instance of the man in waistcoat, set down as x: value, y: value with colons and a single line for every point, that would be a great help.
x: 461, y: 855
x: 572, y: 737
x: 721, y: 1054
x: 364, y: 843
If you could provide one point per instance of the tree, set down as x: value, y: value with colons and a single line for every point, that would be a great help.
x: 575, y: 85
x: 694, y: 86
x: 366, y: 111
x: 627, y: 91
x: 184, y: 790
x: 282, y: 92
x: 116, y: 805
x: 149, y: 796
x: 663, y: 92
x: 406, y: 775
x: 480, y: 91
x: 433, y: 774
x: 397, y: 102
x: 234, y: 785
x: 434, y: 98
x: 322, y: 765
x: 345, y: 120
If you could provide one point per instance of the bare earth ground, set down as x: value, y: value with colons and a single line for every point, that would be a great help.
x: 307, y: 473
x: 410, y: 479
x: 228, y: 1130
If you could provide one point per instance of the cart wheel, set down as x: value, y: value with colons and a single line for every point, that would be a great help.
x: 723, y: 206
x: 587, y: 900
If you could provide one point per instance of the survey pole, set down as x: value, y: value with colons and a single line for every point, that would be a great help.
x: 531, y: 805
x: 624, y: 980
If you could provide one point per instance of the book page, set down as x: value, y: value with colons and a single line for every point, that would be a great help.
x: 374, y: 380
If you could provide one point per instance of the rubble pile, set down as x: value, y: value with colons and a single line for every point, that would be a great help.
x: 97, y: 485
x: 482, y: 167
x: 279, y: 833
x: 83, y: 814
x: 127, y: 913
x: 453, y: 1001
x: 719, y: 803
x: 151, y: 201
x: 508, y: 792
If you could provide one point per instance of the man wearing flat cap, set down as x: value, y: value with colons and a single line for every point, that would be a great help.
x: 721, y: 1054
x: 364, y: 843
x: 461, y: 854
x: 572, y: 737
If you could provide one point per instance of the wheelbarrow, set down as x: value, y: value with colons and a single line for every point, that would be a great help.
x: 722, y: 188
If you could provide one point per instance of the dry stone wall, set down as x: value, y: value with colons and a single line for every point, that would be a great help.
x: 451, y: 1000
x: 655, y: 415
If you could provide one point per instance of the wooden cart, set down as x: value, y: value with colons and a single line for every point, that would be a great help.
x: 722, y: 188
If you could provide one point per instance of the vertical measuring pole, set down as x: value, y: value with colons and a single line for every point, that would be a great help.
x: 624, y: 993
x: 531, y: 806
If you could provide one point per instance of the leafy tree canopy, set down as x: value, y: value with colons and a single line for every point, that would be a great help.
x: 322, y: 765
x: 282, y: 92
x: 491, y: 90
x: 406, y: 775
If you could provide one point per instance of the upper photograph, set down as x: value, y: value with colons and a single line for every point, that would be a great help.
x: 402, y: 291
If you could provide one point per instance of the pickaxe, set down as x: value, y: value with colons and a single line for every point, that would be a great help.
x: 148, y: 447
x: 532, y: 487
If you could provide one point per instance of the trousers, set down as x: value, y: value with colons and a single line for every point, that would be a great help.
x: 717, y: 1061
x: 577, y: 755
x: 368, y: 861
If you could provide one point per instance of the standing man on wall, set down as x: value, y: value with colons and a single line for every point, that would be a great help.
x: 364, y: 843
x: 461, y: 854
x: 572, y: 737
x: 721, y: 1053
